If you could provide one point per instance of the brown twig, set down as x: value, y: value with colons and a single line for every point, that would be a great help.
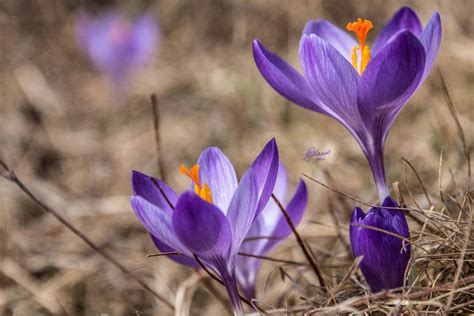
x: 243, y: 254
x: 301, y: 243
x: 10, y: 176
x: 354, y: 198
x: 156, y: 124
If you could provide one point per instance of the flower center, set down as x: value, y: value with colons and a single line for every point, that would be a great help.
x: 361, y: 29
x: 204, y: 192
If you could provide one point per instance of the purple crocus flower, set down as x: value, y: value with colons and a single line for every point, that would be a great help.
x: 116, y: 45
x: 363, y: 88
x: 211, y: 220
x: 385, y: 256
x: 268, y: 230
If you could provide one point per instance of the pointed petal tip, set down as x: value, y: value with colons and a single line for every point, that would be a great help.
x: 389, y: 202
x: 357, y: 214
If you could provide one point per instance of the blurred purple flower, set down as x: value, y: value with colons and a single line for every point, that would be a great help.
x: 270, y: 223
x: 385, y: 256
x: 117, y: 45
x: 212, y: 220
x: 364, y: 89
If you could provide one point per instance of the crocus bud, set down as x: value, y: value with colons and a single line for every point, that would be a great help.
x: 386, y: 256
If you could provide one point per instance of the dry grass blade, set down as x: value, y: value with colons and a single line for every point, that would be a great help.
x: 14, y: 179
x: 452, y: 110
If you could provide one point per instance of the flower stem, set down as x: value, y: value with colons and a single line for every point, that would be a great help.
x: 378, y: 172
x: 228, y: 278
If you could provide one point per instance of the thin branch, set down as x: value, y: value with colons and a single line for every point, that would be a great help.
x: 405, y: 240
x: 10, y: 176
x: 156, y: 124
x: 301, y: 243
x: 243, y: 254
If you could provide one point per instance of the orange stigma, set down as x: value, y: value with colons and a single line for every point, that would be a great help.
x: 361, y: 28
x: 204, y: 192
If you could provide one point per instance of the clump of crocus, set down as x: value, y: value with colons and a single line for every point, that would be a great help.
x: 116, y: 44
x: 362, y: 87
x: 269, y: 229
x: 386, y: 253
x: 209, y: 222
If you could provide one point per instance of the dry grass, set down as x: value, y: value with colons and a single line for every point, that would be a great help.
x: 73, y: 146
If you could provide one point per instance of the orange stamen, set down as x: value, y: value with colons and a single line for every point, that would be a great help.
x: 193, y: 174
x: 361, y: 29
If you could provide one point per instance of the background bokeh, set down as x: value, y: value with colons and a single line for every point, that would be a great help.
x: 75, y: 145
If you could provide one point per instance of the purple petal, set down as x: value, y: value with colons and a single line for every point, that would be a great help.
x: 389, y: 80
x: 431, y: 40
x: 116, y: 45
x: 339, y: 39
x: 182, y: 259
x: 146, y: 187
x: 265, y: 167
x: 216, y: 170
x: 266, y: 225
x: 295, y: 210
x: 403, y: 19
x: 201, y: 227
x: 357, y: 216
x: 157, y: 222
x: 399, y: 221
x: 332, y: 78
x: 284, y: 78
x: 385, y: 256
x: 242, y: 209
x: 271, y: 214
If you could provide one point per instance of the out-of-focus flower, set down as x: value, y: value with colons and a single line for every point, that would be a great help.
x: 363, y: 88
x: 211, y: 220
x: 385, y: 256
x: 117, y: 45
x: 268, y: 230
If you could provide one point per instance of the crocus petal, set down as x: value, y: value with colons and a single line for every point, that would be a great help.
x: 274, y: 226
x: 265, y: 167
x: 271, y: 214
x: 157, y: 222
x: 403, y: 19
x: 182, y: 259
x: 399, y: 220
x: 357, y: 216
x: 146, y: 187
x: 339, y: 39
x: 284, y: 78
x: 242, y: 209
x: 389, y: 80
x: 385, y: 256
x: 332, y: 78
x: 216, y: 170
x: 201, y: 227
x: 145, y: 38
x: 295, y: 210
x: 431, y: 40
